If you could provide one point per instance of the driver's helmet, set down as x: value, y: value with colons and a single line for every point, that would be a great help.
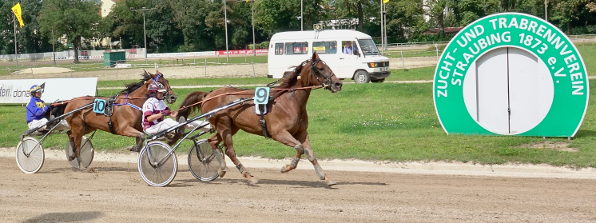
x: 156, y: 87
x: 36, y: 88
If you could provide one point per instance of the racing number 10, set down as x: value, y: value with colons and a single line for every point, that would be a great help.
x: 99, y: 106
x: 261, y: 95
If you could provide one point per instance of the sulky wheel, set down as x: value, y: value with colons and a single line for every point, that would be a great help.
x: 30, y: 155
x: 157, y: 164
x: 202, y: 161
x: 87, y: 153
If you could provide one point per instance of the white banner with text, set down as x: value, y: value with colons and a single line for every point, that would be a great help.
x: 56, y: 89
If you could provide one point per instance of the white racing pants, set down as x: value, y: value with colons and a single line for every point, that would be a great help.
x: 167, y: 123
x: 37, y: 123
x: 163, y: 125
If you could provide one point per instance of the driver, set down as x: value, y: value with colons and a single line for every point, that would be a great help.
x: 155, y: 110
x: 37, y: 111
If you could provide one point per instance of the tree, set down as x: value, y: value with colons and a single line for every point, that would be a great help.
x: 403, y: 19
x: 435, y: 9
x: 591, y: 6
x: 569, y: 11
x: 189, y: 17
x: 75, y: 19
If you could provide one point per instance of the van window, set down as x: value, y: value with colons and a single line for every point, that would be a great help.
x: 296, y: 48
x: 349, y: 47
x: 329, y: 47
x: 279, y: 48
x: 368, y: 47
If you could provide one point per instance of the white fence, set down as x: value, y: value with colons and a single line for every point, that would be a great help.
x: 69, y: 55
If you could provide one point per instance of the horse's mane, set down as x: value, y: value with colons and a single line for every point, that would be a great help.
x: 134, y: 86
x: 289, y: 78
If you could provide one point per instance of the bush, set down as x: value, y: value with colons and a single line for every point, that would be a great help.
x: 261, y: 45
x: 589, y: 29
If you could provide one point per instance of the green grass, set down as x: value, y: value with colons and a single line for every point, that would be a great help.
x: 385, y: 121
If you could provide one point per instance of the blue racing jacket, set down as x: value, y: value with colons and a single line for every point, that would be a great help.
x: 36, y: 109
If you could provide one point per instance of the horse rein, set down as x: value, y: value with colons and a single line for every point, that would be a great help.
x: 313, y: 70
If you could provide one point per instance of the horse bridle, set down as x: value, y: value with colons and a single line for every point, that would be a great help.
x: 317, y: 74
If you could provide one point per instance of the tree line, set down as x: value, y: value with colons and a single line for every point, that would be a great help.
x: 197, y: 25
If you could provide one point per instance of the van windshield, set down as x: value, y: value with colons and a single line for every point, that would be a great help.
x: 368, y: 47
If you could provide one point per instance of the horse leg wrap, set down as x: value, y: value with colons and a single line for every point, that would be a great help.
x: 294, y: 162
x: 291, y: 166
x: 242, y: 170
x: 299, y: 148
x: 309, y: 154
x: 320, y: 172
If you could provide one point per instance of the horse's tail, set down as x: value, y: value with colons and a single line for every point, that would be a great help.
x: 191, y: 103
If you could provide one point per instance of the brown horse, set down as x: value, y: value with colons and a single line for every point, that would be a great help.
x: 126, y: 117
x: 287, y: 120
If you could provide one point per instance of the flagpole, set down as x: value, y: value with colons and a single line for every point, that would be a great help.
x: 382, y: 39
x: 14, y: 22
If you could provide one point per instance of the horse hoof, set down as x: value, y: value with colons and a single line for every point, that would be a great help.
x: 134, y: 149
x: 71, y: 158
x: 221, y: 173
x: 285, y: 169
x: 253, y: 181
x: 330, y: 182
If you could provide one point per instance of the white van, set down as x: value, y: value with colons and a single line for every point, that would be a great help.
x: 350, y: 54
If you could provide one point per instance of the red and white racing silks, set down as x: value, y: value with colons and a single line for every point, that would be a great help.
x: 155, y: 106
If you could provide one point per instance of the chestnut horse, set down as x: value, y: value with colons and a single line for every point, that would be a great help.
x: 286, y: 122
x: 126, y: 117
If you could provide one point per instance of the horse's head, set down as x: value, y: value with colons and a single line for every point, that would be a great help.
x: 317, y: 72
x: 169, y: 96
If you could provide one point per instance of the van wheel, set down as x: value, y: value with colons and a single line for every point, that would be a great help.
x: 361, y: 77
x: 378, y: 80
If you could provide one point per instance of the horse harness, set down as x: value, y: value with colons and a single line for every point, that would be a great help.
x: 316, y: 73
x: 109, y: 111
x: 262, y: 108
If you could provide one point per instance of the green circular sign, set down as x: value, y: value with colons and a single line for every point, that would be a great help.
x: 511, y: 74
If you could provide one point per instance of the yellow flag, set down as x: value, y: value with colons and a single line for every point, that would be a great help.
x: 385, y: 1
x: 16, y: 9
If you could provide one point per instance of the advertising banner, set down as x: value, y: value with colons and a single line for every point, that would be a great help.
x: 56, y: 89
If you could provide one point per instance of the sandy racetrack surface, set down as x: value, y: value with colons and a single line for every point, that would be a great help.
x: 113, y: 191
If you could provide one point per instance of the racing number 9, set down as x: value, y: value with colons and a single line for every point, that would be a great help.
x: 261, y: 95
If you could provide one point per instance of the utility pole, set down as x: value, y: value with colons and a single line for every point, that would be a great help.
x: 54, y: 47
x: 226, y: 27
x: 143, y: 9
x: 546, y: 10
x: 254, y: 46
x: 301, y: 17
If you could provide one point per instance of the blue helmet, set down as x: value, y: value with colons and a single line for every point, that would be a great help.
x: 37, y: 88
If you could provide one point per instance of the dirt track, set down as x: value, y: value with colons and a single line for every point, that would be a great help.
x: 115, y: 192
